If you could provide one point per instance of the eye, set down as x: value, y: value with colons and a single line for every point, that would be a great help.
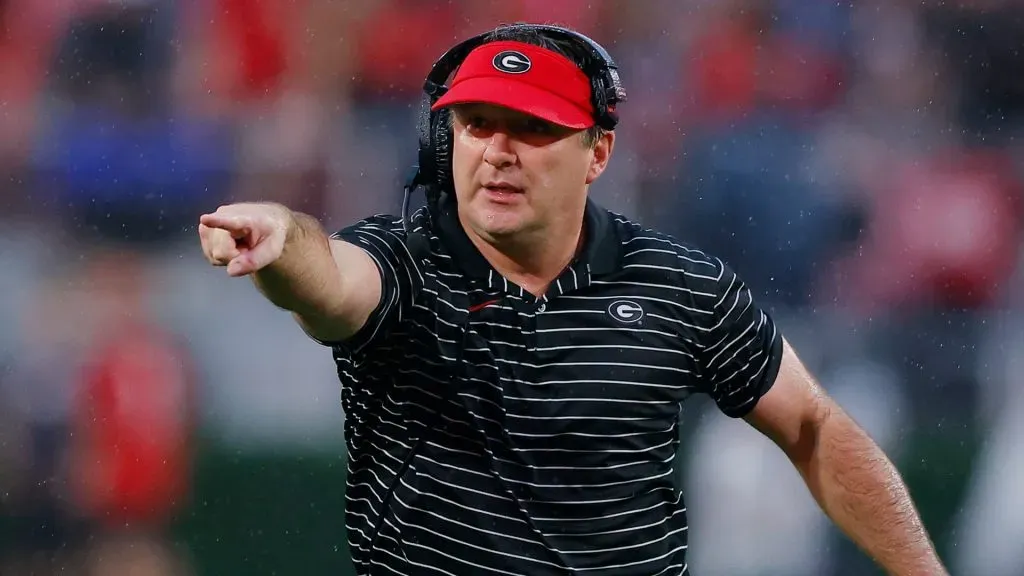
x: 476, y: 122
x: 537, y: 126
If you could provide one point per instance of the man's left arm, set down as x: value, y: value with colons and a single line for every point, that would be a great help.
x: 847, y: 473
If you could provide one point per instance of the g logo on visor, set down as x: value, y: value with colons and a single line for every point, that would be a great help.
x: 511, y: 62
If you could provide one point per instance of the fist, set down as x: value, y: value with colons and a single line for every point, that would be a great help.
x: 244, y: 237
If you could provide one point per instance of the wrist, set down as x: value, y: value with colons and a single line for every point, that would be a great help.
x: 303, y: 233
x: 290, y: 222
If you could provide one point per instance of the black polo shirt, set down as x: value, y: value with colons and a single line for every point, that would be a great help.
x: 493, y: 432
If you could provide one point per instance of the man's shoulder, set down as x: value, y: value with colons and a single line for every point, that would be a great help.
x: 682, y: 279
x: 648, y: 248
x: 383, y: 236
x: 382, y: 222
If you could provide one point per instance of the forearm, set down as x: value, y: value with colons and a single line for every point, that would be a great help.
x: 305, y: 279
x: 861, y: 490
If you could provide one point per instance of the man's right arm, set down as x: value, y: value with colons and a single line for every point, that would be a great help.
x: 347, y: 289
x: 330, y: 286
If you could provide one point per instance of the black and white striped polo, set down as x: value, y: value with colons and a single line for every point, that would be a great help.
x: 493, y: 432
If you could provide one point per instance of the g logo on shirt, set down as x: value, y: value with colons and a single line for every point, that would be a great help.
x: 626, y: 311
x: 511, y: 62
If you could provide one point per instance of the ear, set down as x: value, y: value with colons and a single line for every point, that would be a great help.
x: 602, y: 154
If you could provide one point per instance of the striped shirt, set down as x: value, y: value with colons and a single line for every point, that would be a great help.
x: 493, y: 432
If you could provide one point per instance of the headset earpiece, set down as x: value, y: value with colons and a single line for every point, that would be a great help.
x: 442, y: 146
x: 425, y: 130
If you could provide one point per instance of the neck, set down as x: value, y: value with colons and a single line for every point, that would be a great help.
x: 533, y: 262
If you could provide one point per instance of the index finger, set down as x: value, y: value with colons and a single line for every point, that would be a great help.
x: 233, y: 224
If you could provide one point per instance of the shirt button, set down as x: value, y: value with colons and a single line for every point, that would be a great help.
x: 542, y: 308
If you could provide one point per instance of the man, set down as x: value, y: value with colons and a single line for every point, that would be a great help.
x: 512, y: 387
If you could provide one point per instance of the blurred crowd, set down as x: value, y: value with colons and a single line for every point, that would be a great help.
x: 859, y: 163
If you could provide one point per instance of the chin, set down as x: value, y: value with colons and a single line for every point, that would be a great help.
x: 498, y: 221
x: 497, y: 230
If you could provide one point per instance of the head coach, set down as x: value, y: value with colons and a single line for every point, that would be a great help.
x: 513, y: 357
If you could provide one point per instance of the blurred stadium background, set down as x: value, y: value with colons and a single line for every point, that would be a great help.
x: 858, y: 162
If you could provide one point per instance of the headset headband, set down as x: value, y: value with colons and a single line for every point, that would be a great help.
x: 598, y: 66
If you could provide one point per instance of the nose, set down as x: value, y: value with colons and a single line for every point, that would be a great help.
x: 499, y: 151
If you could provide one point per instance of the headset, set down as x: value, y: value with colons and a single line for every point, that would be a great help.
x: 434, y: 171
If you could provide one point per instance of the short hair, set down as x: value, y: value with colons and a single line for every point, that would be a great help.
x: 520, y: 32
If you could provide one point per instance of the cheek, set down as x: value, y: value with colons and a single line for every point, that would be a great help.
x: 467, y: 145
x: 466, y: 153
x: 562, y: 172
x: 462, y: 164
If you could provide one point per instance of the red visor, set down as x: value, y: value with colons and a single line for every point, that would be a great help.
x: 526, y: 78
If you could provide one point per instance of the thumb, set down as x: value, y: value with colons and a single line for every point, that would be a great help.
x: 241, y: 265
x: 256, y: 258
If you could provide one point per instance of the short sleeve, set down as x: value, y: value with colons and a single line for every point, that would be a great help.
x: 743, y: 349
x: 383, y: 239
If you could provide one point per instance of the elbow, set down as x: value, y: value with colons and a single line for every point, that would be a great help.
x: 814, y: 430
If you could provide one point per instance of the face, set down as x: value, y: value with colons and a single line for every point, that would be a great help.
x: 517, y: 176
